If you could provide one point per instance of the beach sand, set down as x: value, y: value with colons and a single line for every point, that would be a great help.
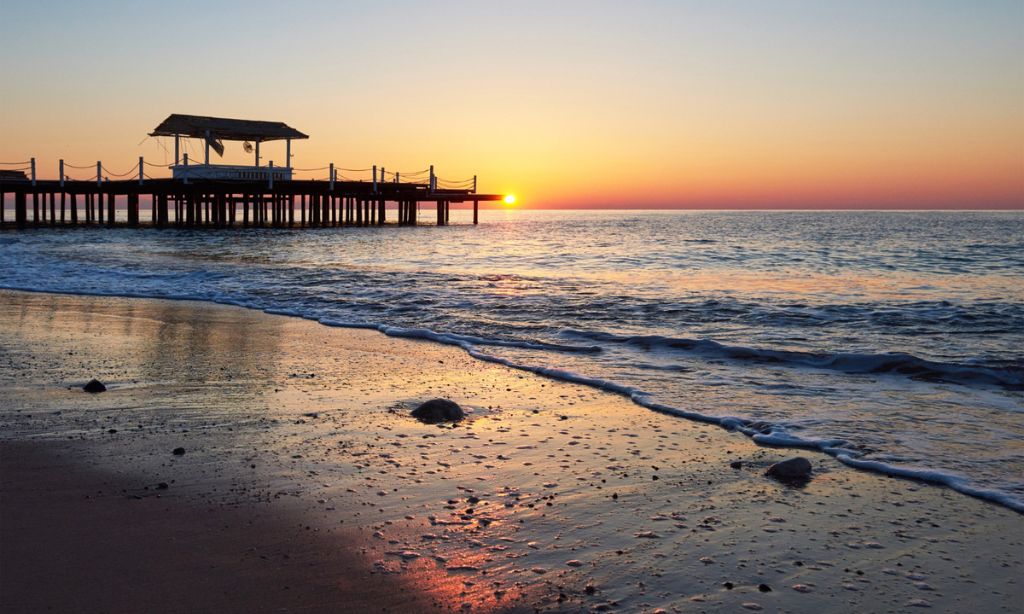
x: 305, y: 486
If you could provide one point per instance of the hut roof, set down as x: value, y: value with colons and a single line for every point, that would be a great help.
x: 225, y: 129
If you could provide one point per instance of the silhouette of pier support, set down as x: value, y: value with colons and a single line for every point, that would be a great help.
x: 171, y: 203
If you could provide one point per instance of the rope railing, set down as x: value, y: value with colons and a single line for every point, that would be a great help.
x: 132, y: 171
x: 423, y: 177
x: 313, y: 170
x: 340, y: 177
x: 70, y: 178
x: 350, y: 174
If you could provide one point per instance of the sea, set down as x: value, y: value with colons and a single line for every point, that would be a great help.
x: 892, y: 341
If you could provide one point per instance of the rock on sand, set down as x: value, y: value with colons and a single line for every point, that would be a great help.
x: 438, y: 410
x: 94, y: 386
x: 796, y: 469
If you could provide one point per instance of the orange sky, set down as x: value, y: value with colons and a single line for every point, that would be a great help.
x: 577, y: 104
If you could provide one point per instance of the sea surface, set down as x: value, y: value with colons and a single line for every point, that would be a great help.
x: 893, y: 341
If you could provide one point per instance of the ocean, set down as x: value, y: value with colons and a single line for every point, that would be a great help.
x: 893, y: 341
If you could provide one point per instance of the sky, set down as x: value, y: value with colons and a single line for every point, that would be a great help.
x: 640, y: 104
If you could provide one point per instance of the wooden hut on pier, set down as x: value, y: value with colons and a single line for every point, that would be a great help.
x: 213, y: 131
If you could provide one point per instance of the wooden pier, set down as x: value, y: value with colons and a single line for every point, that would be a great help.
x: 219, y: 196
x: 220, y: 204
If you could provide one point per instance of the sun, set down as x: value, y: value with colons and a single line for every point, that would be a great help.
x: 510, y: 199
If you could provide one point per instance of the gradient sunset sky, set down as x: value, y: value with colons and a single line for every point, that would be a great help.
x: 566, y: 104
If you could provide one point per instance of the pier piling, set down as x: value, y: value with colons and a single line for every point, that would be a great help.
x: 202, y: 203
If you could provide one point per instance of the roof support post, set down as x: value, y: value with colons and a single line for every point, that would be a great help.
x: 185, y: 162
x: 474, y: 184
x: 332, y: 176
x: 270, y: 176
x: 432, y: 186
x: 206, y: 156
x: 257, y: 152
x: 375, y: 178
x: 33, y: 172
x: 288, y: 153
x: 62, y: 173
x: 140, y: 170
x: 177, y: 149
x: 99, y: 175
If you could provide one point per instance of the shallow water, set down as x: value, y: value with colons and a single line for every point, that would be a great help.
x: 894, y: 341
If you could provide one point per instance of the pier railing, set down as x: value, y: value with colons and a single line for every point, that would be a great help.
x: 228, y: 195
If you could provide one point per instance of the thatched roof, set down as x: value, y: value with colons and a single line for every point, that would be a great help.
x: 224, y: 129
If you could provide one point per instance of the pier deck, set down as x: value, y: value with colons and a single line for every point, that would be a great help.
x: 220, y: 203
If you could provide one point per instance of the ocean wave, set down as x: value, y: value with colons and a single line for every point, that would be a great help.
x: 760, y: 432
x: 1009, y: 376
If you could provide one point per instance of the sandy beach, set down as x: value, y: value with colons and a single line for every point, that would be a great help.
x: 305, y: 486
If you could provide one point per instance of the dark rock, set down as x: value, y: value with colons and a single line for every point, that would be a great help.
x: 94, y: 386
x: 736, y: 464
x: 796, y: 469
x: 438, y: 410
x: 728, y: 585
x: 162, y: 486
x: 764, y: 588
x: 111, y: 431
x: 178, y: 451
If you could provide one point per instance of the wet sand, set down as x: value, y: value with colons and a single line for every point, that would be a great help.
x: 305, y: 486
